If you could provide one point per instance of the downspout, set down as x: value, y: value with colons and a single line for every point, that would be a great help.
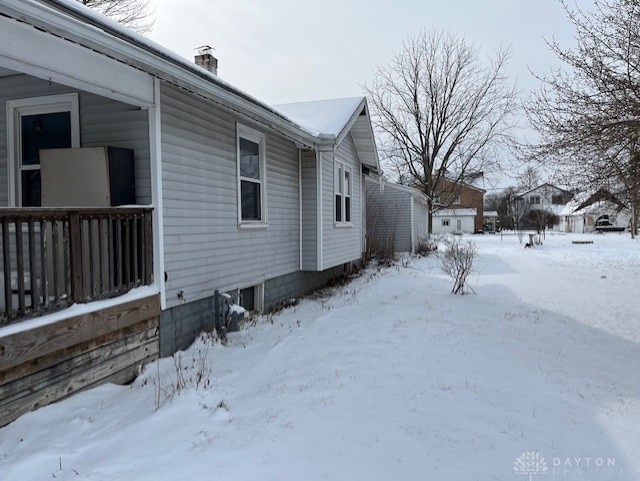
x: 319, y: 239
x: 413, y: 242
x: 300, y: 203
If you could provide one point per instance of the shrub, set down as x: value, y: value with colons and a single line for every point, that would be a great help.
x: 457, y: 263
x: 427, y: 246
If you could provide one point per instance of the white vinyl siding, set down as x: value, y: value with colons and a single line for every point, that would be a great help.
x: 102, y: 122
x: 420, y: 222
x: 389, y: 217
x: 454, y: 224
x: 340, y: 244
x: 204, y: 249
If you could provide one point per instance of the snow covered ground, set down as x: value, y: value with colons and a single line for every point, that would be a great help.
x: 389, y: 378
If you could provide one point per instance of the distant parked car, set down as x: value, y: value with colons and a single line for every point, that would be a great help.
x: 604, y: 225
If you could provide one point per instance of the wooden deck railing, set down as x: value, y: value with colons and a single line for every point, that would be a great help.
x: 54, y: 257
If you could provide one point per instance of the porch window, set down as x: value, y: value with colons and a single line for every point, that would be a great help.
x: 342, y: 188
x: 251, y: 167
x: 37, y: 123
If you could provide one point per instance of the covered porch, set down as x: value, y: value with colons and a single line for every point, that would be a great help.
x: 79, y: 231
x: 78, y: 132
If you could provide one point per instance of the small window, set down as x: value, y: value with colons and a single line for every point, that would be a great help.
x: 347, y: 196
x: 535, y: 199
x: 251, y: 167
x: 342, y: 187
x: 445, y: 222
x: 557, y: 199
x: 248, y: 298
x: 456, y: 199
x: 337, y: 182
x: 252, y: 298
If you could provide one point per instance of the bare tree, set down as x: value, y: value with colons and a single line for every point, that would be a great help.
x: 589, y: 116
x: 501, y: 203
x: 529, y: 178
x: 133, y: 14
x: 541, y: 219
x: 440, y: 111
x: 517, y: 209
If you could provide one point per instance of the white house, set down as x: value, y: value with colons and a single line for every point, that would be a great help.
x: 454, y: 221
x: 225, y: 193
x: 547, y: 197
x: 584, y: 211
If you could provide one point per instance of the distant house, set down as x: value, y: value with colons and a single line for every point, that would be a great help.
x: 586, y: 211
x: 547, y: 197
x: 397, y: 216
x: 222, y: 193
x: 455, y: 221
x: 465, y: 196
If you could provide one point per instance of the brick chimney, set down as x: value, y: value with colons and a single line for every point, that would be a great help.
x: 205, y: 60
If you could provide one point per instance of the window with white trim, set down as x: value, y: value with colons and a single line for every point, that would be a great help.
x: 251, y: 176
x: 342, y: 187
x: 535, y: 199
x: 50, y: 122
x: 445, y: 222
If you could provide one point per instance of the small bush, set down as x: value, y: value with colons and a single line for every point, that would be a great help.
x: 457, y: 263
x: 427, y: 247
x: 383, y: 252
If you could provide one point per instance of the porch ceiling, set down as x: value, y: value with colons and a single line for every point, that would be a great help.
x: 5, y: 72
x: 38, y: 52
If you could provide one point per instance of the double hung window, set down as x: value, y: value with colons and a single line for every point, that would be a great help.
x: 251, y: 177
x: 342, y: 187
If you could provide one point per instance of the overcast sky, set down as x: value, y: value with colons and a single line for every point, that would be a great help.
x: 295, y: 50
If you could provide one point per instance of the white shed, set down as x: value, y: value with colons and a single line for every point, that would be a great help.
x: 454, y: 221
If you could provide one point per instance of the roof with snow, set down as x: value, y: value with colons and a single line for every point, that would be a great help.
x: 455, y: 212
x: 334, y: 119
x: 598, y: 203
x: 415, y: 193
x: 546, y: 185
x: 327, y: 117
